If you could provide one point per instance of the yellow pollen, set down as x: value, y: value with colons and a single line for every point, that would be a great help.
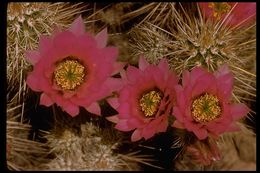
x: 205, y: 108
x: 219, y: 8
x: 150, y: 103
x: 69, y: 74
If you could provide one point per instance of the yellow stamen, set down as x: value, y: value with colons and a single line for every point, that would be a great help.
x: 205, y: 108
x: 69, y: 74
x: 150, y: 102
x: 219, y: 8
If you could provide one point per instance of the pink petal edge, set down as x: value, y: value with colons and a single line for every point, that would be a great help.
x: 113, y: 102
x: 136, y: 135
x: 46, y: 100
x: 94, y: 108
x: 32, y: 56
x: 77, y: 27
x: 143, y: 64
x: 113, y: 119
x: 101, y: 38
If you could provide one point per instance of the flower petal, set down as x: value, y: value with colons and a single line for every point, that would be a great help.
x: 202, y: 84
x: 101, y: 38
x: 133, y: 73
x: 46, y: 100
x: 135, y: 123
x: 124, y: 110
x: 78, y: 27
x: 177, y: 113
x: 72, y: 109
x: 32, y: 56
x: 33, y: 83
x: 162, y: 126
x: 114, y: 84
x: 113, y: 102
x: 148, y: 132
x: 143, y: 64
x: 94, y: 108
x: 201, y: 133
x: 163, y: 65
x: 113, y: 119
x: 118, y: 67
x: 45, y: 44
x: 136, y: 135
x: 238, y: 111
x: 110, y: 53
x: 185, y: 78
x: 122, y: 125
x: 64, y: 44
x: 196, y: 73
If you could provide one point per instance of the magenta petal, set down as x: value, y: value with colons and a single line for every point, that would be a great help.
x: 122, y: 125
x: 113, y: 102
x: 204, y: 82
x: 162, y: 127
x: 180, y: 98
x: 163, y: 65
x: 201, y: 133
x: 114, y: 84
x: 124, y: 110
x: 110, y: 53
x: 132, y: 73
x: 45, y: 100
x: 185, y: 78
x: 148, y: 132
x: 32, y: 56
x: 196, y: 73
x: 222, y: 70
x: 143, y: 64
x: 135, y: 123
x: 177, y: 113
x: 77, y: 27
x: 72, y: 109
x: 123, y: 74
x: 225, y: 86
x: 136, y: 135
x: 113, y: 119
x: 94, y: 108
x: 238, y: 111
x: 45, y: 44
x: 118, y: 67
x: 101, y: 38
x: 64, y: 42
x: 33, y: 83
x: 69, y: 94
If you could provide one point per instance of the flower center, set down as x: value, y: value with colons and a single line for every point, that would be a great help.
x: 205, y: 108
x: 219, y: 8
x: 69, y: 74
x: 150, y: 102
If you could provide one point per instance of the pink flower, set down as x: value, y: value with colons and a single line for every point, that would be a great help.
x: 240, y: 12
x: 203, y: 103
x: 146, y: 99
x: 204, y: 152
x: 73, y: 68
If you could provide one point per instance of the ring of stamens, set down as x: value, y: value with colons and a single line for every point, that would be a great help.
x: 150, y: 103
x: 69, y: 74
x: 219, y: 8
x: 205, y: 108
